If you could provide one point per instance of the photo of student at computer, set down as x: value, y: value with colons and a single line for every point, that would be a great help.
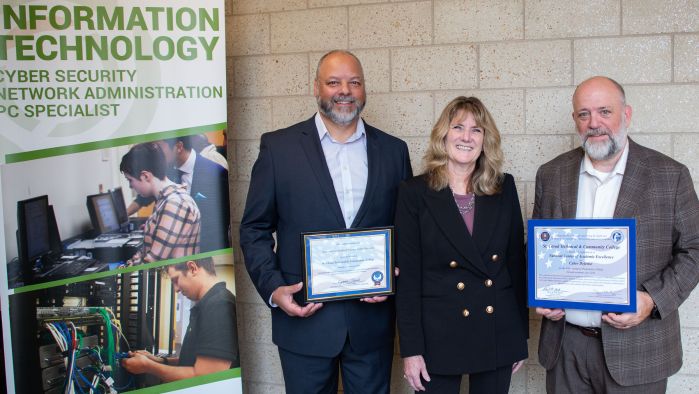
x: 204, y: 174
x: 174, y: 227
x: 128, y: 331
x: 87, y: 196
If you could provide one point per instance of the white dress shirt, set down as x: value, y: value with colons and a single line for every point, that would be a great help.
x: 187, y: 169
x: 597, y: 195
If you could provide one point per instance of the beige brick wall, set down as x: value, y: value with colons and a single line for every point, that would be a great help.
x: 521, y: 57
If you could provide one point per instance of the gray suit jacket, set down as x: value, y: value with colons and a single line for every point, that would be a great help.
x: 659, y: 193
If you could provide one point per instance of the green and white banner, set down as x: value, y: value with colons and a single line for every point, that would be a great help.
x: 105, y: 249
x: 78, y: 72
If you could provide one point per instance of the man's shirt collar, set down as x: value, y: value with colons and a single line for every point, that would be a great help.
x: 188, y: 165
x: 323, y: 131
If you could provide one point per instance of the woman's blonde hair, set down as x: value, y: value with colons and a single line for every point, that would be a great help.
x: 487, y: 177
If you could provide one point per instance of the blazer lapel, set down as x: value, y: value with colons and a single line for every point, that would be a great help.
x: 373, y: 175
x: 570, y: 175
x: 485, y: 219
x: 446, y: 214
x: 314, y: 153
x: 632, y: 185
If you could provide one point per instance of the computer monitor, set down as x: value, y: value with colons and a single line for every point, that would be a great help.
x: 120, y: 206
x: 54, y: 236
x: 33, y: 240
x: 103, y: 215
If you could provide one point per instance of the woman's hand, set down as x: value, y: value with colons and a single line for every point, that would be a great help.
x: 414, y: 368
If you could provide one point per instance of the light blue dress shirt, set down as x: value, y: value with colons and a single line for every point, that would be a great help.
x: 347, y: 163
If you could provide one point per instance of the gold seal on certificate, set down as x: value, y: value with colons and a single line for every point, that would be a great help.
x: 348, y: 264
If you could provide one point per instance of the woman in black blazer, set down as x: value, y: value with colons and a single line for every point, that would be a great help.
x: 461, y: 296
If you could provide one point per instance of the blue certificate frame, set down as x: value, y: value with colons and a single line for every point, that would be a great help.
x: 582, y: 264
x: 348, y: 264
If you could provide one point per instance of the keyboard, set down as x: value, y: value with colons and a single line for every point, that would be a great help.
x: 70, y: 269
x: 110, y: 237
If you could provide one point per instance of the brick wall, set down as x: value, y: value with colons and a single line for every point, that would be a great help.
x: 521, y: 57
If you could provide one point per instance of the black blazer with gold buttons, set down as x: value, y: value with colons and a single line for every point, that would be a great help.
x: 461, y: 298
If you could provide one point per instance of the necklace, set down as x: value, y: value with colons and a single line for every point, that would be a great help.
x: 467, y: 202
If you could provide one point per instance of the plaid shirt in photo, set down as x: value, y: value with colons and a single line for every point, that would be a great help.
x: 173, y: 228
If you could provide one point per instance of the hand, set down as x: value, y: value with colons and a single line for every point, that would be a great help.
x: 622, y: 321
x: 413, y: 368
x: 551, y: 314
x: 516, y: 366
x: 147, y: 354
x: 374, y: 300
x: 283, y: 297
x: 137, y: 363
x: 377, y: 299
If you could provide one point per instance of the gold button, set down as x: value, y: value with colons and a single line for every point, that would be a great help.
x: 495, y: 258
x: 488, y: 283
x: 460, y: 286
x: 453, y: 264
x: 466, y: 313
x: 489, y: 309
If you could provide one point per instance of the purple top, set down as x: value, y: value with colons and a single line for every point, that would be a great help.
x: 467, y: 208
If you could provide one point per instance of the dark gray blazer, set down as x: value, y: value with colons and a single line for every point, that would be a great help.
x: 659, y: 193
x: 210, y: 191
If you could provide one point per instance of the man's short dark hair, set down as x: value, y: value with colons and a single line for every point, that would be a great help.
x: 199, y: 142
x: 185, y: 140
x: 144, y: 157
x: 207, y: 263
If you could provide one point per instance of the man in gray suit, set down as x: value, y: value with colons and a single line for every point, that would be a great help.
x: 612, y: 176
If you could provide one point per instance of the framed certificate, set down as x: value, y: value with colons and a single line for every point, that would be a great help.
x: 582, y: 264
x: 348, y: 264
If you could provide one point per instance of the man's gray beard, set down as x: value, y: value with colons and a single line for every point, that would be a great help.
x: 604, y: 150
x: 342, y: 118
